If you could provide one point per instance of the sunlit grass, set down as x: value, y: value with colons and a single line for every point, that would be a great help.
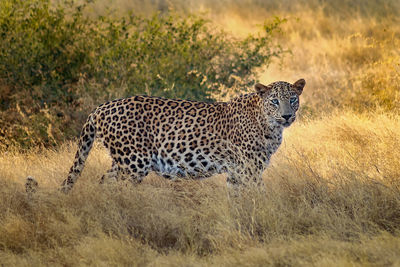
x: 332, y: 195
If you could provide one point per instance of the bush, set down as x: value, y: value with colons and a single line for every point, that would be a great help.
x: 56, y: 64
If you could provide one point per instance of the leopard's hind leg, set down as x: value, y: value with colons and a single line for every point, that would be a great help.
x: 117, y: 173
x: 112, y: 174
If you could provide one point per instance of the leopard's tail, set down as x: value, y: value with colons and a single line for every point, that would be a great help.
x: 85, y: 143
x: 86, y: 140
x: 30, y: 185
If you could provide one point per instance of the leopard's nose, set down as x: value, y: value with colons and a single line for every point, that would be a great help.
x: 286, y: 117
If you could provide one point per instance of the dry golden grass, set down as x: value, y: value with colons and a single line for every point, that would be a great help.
x: 332, y: 197
x: 333, y: 188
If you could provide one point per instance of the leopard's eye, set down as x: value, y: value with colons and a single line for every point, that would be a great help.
x: 293, y: 100
x: 275, y: 101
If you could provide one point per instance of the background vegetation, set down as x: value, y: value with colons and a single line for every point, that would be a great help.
x: 333, y: 188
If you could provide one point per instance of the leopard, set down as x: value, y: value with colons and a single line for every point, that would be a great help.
x: 189, y: 139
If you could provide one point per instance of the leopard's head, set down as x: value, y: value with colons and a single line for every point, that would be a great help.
x: 280, y: 101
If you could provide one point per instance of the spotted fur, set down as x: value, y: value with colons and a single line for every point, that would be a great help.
x: 180, y: 138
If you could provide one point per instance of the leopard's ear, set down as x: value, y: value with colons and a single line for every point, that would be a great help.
x: 299, y: 85
x: 262, y: 89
